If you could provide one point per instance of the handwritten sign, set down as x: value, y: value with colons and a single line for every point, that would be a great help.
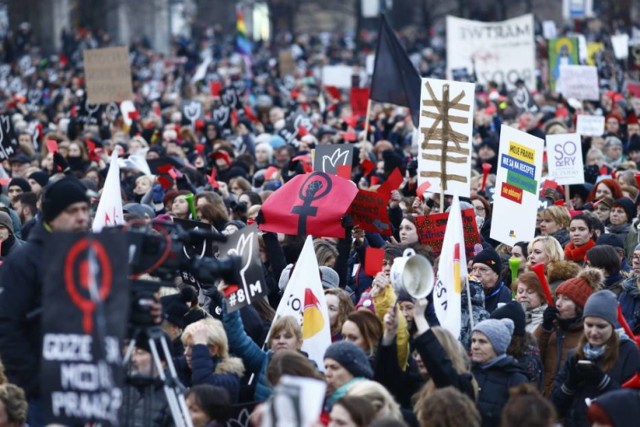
x: 579, y: 81
x: 431, y: 229
x: 108, y: 75
x: 590, y: 125
x: 369, y: 212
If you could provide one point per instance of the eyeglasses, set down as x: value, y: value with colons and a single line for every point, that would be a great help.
x: 480, y: 208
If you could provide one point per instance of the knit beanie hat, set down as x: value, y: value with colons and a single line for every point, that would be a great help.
x: 5, y: 220
x: 60, y: 195
x: 498, y: 332
x: 628, y: 206
x: 602, y: 304
x: 351, y: 357
x: 580, y: 288
x: 512, y: 310
x: 20, y: 182
x: 40, y: 177
x: 490, y: 258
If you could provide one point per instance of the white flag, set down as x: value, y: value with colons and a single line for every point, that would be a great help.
x: 304, y: 299
x: 452, y: 270
x: 109, y: 211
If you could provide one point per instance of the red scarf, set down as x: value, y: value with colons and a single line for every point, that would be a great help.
x: 577, y: 253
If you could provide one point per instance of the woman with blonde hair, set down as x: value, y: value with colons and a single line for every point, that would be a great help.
x: 326, y: 252
x: 13, y: 406
x: 544, y: 249
x: 555, y: 223
x: 206, y: 352
x: 384, y: 404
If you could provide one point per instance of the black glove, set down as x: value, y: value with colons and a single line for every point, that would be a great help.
x: 573, y: 374
x: 548, y: 316
x: 60, y: 163
x: 592, y: 374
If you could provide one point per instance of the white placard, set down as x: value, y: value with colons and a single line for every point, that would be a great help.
x: 337, y: 75
x: 370, y: 8
x: 446, y: 133
x: 564, y: 158
x: 502, y: 51
x: 370, y: 63
x: 579, y: 81
x: 549, y: 30
x: 590, y: 125
x: 515, y: 201
x: 620, y: 44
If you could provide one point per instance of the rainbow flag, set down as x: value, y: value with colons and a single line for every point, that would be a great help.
x: 243, y: 45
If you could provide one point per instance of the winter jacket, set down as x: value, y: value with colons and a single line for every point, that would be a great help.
x: 11, y: 244
x: 20, y: 308
x: 531, y: 363
x: 207, y: 369
x: 499, y: 294
x: 562, y: 236
x: 571, y: 405
x: 401, y: 384
x: 630, y: 303
x: 554, y: 347
x: 534, y: 318
x: 142, y: 402
x: 478, y: 313
x: 255, y: 359
x: 494, y: 381
x: 382, y: 302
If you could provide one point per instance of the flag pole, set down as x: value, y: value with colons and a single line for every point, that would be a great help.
x: 466, y: 280
x: 366, y: 121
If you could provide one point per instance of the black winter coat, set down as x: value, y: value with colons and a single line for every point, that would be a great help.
x: 494, y: 383
x: 572, y: 406
x: 20, y: 307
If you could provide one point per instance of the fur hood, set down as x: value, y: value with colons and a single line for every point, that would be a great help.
x: 559, y: 271
x: 230, y: 365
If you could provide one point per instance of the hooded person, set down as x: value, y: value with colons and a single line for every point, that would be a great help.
x: 65, y: 208
x: 9, y: 242
x: 494, y: 370
x: 601, y: 362
x: 562, y: 324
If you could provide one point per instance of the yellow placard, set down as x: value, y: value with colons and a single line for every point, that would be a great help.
x: 521, y: 152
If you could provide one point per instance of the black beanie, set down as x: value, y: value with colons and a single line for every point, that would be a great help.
x: 20, y: 182
x: 60, y: 195
x: 634, y: 143
x: 628, y: 206
x: 40, y: 177
x: 514, y: 311
x: 490, y: 258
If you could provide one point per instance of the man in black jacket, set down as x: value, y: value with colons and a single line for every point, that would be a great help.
x: 65, y: 208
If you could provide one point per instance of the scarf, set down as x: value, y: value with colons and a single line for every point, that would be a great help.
x: 493, y: 361
x: 339, y: 393
x: 620, y: 230
x: 593, y: 353
x: 578, y: 253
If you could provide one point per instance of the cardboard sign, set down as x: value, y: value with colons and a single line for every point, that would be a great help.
x: 82, y: 340
x: 590, y: 125
x: 446, y: 127
x: 503, y: 52
x: 329, y: 158
x: 564, y: 158
x: 8, y: 140
x: 337, y: 75
x: 108, y: 74
x: 516, y: 198
x: 244, y: 243
x: 369, y: 212
x: 309, y: 204
x: 579, y: 81
x: 286, y: 63
x: 562, y: 51
x: 431, y: 230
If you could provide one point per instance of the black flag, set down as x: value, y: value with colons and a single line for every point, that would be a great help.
x: 395, y: 79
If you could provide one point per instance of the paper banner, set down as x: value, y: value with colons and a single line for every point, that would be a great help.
x: 590, y: 125
x: 564, y: 158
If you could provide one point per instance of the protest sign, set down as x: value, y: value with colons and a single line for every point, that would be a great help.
x: 579, y: 81
x: 446, y: 126
x: 244, y: 243
x: 521, y: 98
x: 8, y: 140
x: 516, y: 198
x: 590, y: 125
x: 222, y: 115
x: 296, y: 401
x: 577, y: 9
x: 369, y: 212
x: 309, y: 204
x: 549, y: 30
x: 334, y: 158
x: 431, y: 230
x: 337, y: 75
x: 286, y: 63
x: 108, y: 74
x: 498, y: 51
x: 593, y: 49
x: 634, y: 57
x: 191, y: 111
x: 88, y: 113
x: 564, y: 158
x: 359, y: 100
x: 620, y: 43
x: 82, y: 335
x: 562, y: 51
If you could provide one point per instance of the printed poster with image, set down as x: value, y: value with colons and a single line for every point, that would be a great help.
x: 564, y: 158
x: 515, y: 201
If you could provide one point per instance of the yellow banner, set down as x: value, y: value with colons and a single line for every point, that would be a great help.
x: 521, y: 152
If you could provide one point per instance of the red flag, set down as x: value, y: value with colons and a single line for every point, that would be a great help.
x: 373, y: 258
x: 359, y: 100
x: 309, y: 204
x: 216, y: 88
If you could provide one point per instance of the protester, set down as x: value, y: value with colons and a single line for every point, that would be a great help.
x: 345, y: 364
x: 352, y: 411
x: 487, y: 267
x: 530, y: 294
x: 208, y: 405
x: 447, y: 407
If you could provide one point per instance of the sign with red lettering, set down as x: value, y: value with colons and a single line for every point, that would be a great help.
x: 431, y: 229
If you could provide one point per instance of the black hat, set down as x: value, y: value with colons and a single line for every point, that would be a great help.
x: 628, y: 206
x: 351, y: 357
x: 611, y: 240
x: 60, y: 195
x: 514, y: 311
x: 490, y: 258
x: 20, y: 158
x: 20, y: 182
x: 634, y: 143
x: 40, y: 177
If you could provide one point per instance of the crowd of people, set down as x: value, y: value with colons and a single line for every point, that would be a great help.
x: 522, y: 358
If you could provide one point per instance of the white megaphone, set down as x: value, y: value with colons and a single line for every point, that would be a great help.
x: 412, y: 274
